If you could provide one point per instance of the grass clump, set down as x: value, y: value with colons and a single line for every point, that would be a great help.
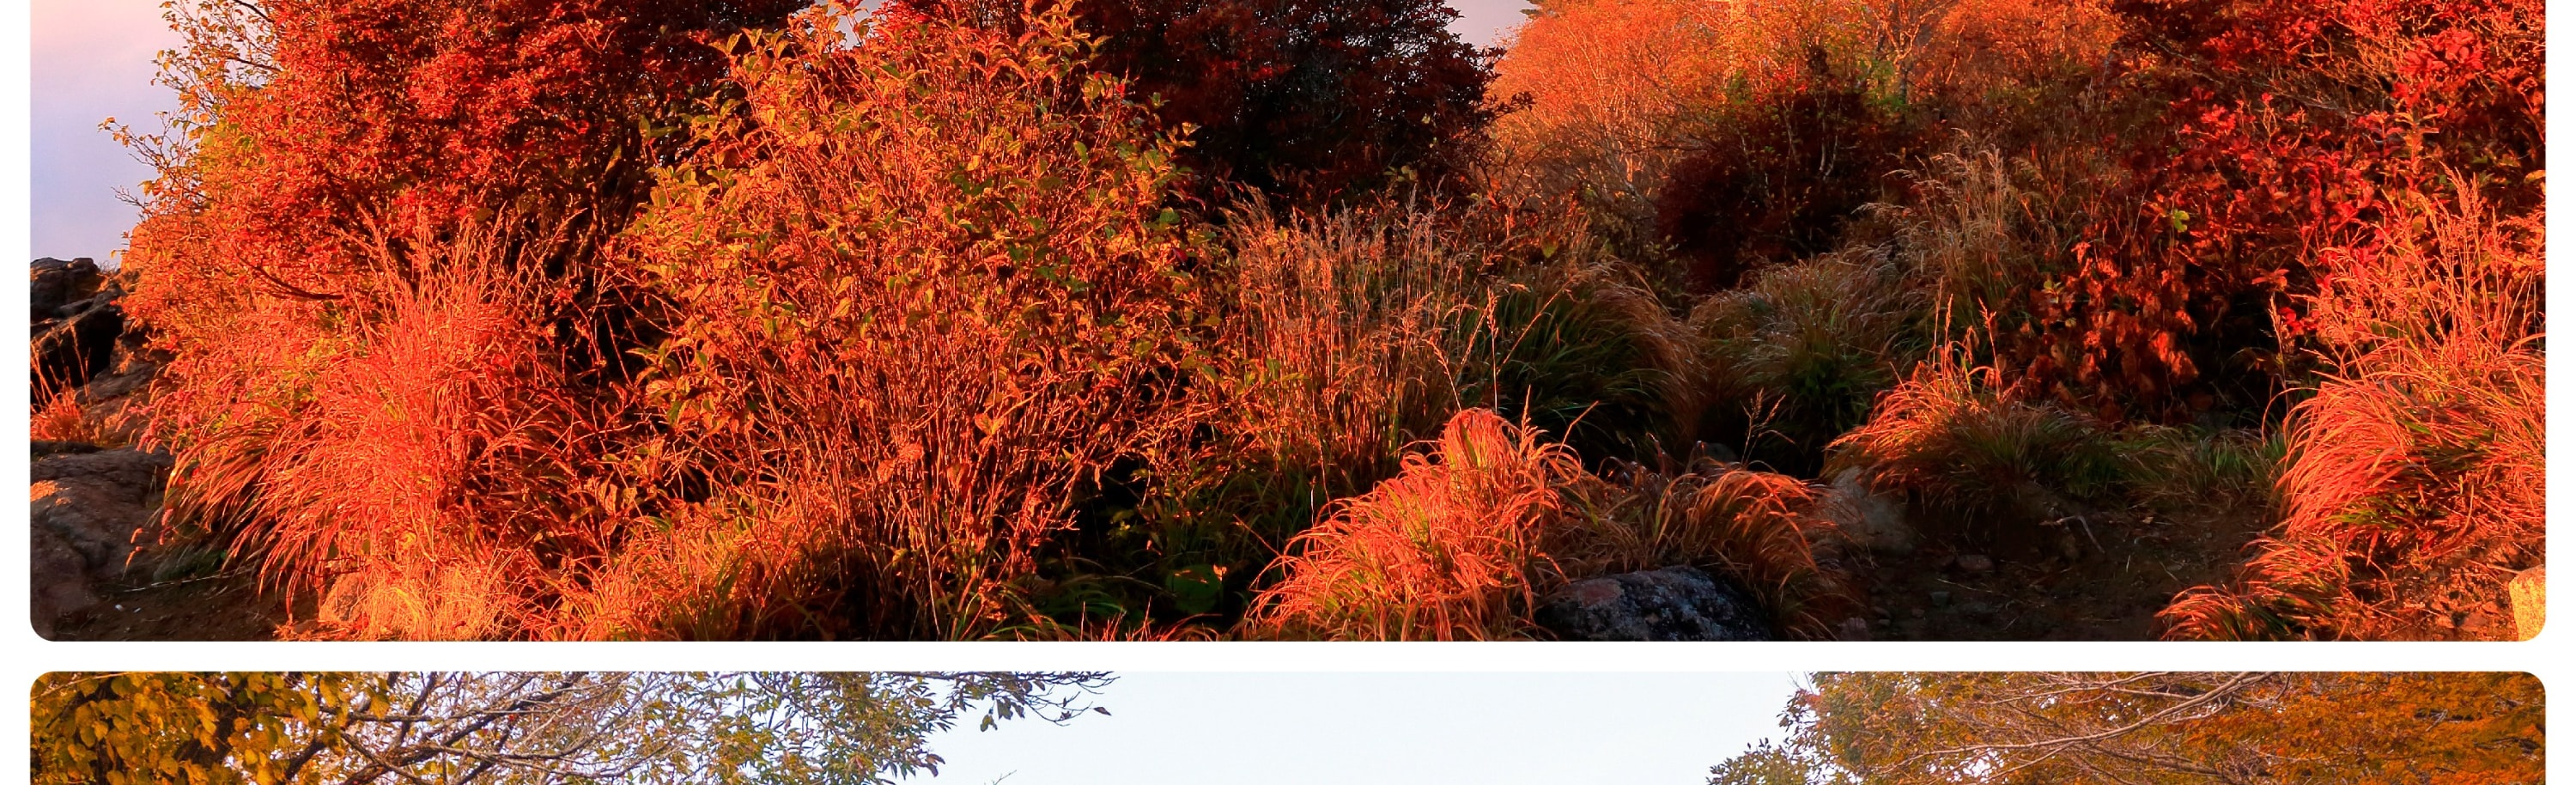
x: 1453, y: 548
x: 2413, y: 484
x: 1580, y: 347
x: 405, y: 451
x: 1329, y: 350
x: 1465, y: 541
x: 1763, y: 529
x: 1797, y: 358
x: 1955, y: 439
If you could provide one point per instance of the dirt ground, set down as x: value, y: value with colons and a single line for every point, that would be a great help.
x: 225, y: 606
x: 2100, y: 578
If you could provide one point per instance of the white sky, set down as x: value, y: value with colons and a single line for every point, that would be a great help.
x: 93, y: 60
x: 1382, y: 729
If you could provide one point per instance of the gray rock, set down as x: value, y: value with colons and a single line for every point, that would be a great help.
x: 1872, y: 520
x: 65, y: 353
x: 1976, y: 563
x: 54, y: 283
x: 1670, y: 604
x: 122, y: 381
x: 81, y: 342
x: 85, y: 512
x: 137, y: 474
x: 43, y: 447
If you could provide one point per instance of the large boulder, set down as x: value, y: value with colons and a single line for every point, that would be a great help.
x: 85, y: 510
x: 1670, y: 604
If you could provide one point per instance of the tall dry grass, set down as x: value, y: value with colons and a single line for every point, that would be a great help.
x: 1797, y: 357
x: 1492, y: 516
x: 1988, y: 233
x: 1332, y: 347
x: 1338, y: 335
x: 1343, y: 337
x: 1959, y: 439
x: 401, y: 451
x: 1456, y: 547
x: 1580, y: 345
x: 2414, y: 485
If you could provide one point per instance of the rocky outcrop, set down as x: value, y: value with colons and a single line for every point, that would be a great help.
x: 85, y: 511
x: 76, y: 322
x: 1670, y: 604
x: 80, y: 342
x: 54, y: 283
x: 87, y: 500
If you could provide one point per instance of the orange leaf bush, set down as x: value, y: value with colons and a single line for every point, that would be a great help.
x: 918, y: 290
x: 805, y: 390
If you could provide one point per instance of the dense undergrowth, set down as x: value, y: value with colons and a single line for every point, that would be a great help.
x: 723, y: 320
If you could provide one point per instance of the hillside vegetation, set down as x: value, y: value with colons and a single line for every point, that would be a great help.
x: 961, y: 319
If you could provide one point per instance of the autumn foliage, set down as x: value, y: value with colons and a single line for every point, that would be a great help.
x: 970, y: 318
x: 2418, y: 463
x: 931, y: 350
x: 1941, y: 729
x: 445, y: 727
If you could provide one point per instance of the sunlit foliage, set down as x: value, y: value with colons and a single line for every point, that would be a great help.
x: 457, y: 728
x: 983, y: 318
x: 2153, y: 728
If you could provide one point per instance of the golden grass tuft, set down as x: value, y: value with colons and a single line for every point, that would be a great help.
x: 1461, y: 545
x: 1798, y: 356
x: 1338, y: 341
x: 59, y: 417
x: 399, y: 484
x: 2414, y: 481
x: 1453, y: 548
x: 1955, y: 438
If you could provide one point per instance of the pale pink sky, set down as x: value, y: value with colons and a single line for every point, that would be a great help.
x: 93, y: 60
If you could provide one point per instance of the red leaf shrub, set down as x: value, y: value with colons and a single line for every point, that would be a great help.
x: 2286, y: 121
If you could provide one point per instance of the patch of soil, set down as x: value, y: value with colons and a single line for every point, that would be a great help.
x: 226, y: 606
x: 2101, y: 577
x: 2467, y: 602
